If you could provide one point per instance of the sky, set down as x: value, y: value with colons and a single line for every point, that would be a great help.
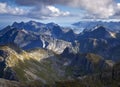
x: 59, y: 11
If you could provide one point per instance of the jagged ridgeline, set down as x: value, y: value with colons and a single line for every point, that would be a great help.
x: 34, y: 54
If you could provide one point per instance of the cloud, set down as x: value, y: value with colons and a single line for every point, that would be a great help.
x: 45, y: 12
x: 41, y: 12
x: 43, y: 9
x: 56, y: 12
x: 117, y: 12
x: 97, y: 8
x: 6, y: 9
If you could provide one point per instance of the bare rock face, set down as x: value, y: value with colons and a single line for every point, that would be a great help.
x: 55, y: 45
x: 3, y: 56
x: 5, y: 71
x: 10, y: 74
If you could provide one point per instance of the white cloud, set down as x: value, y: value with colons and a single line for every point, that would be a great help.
x: 42, y: 12
x: 46, y: 12
x: 6, y: 9
x: 46, y: 9
x: 57, y: 12
x: 97, y: 8
x: 118, y: 5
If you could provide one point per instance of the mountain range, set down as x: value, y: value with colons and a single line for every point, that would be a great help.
x: 87, y: 25
x: 45, y: 53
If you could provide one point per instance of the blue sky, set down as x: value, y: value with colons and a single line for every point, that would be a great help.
x: 63, y: 12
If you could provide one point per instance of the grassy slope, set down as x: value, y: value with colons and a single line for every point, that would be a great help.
x: 31, y: 66
x: 39, y: 66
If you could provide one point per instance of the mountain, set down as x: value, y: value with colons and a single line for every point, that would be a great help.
x: 51, y: 29
x: 29, y: 40
x: 40, y: 28
x: 45, y: 53
x: 99, y: 40
x: 86, y: 25
x: 44, y: 65
x: 37, y: 64
x: 81, y: 64
x: 107, y: 78
x: 30, y: 26
x: 98, y: 32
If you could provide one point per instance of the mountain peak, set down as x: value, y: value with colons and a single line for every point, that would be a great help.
x: 99, y: 27
x: 34, y: 22
x: 18, y: 25
x: 51, y: 24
